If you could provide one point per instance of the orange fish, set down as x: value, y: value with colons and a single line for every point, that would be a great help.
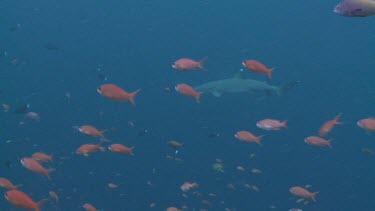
x: 5, y: 183
x: 89, y: 207
x: 53, y: 195
x: 271, y: 124
x: 317, y: 141
x: 188, y: 64
x: 85, y: 149
x: 303, y: 193
x: 114, y: 92
x: 258, y: 67
x: 121, y: 148
x: 248, y: 137
x: 34, y: 166
x: 188, y: 185
x: 367, y: 124
x: 42, y: 157
x: 328, y: 125
x: 92, y: 131
x: 21, y: 199
x: 172, y: 209
x: 188, y: 91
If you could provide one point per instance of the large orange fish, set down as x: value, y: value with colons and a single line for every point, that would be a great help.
x: 5, y: 183
x: 303, y: 193
x: 41, y: 157
x: 188, y: 64
x: 317, y: 141
x: 34, y: 166
x: 21, y: 199
x: 247, y: 137
x: 114, y: 92
x: 258, y: 67
x: 367, y: 124
x: 119, y: 148
x: 328, y: 125
x: 85, y: 149
x: 188, y: 91
x: 92, y: 131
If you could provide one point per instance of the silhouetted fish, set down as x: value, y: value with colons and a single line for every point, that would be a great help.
x: 22, y: 109
x: 213, y: 135
x: 51, y: 47
x: 8, y: 164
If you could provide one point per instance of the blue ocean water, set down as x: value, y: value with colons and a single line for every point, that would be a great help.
x: 50, y: 48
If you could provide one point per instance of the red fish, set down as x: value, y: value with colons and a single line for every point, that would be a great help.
x: 121, y: 148
x: 92, y: 131
x: 317, y: 141
x: 5, y: 183
x: 42, y: 157
x: 188, y: 64
x: 258, y: 67
x: 34, y: 166
x: 188, y: 91
x: 303, y: 193
x: 247, y: 137
x: 85, y: 149
x: 114, y: 92
x: 271, y: 124
x: 367, y: 124
x: 328, y: 125
x: 21, y: 199
x: 89, y: 207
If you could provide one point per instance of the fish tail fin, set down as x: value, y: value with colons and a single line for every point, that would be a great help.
x: 132, y: 95
x: 313, y: 196
x: 48, y: 172
x: 131, y: 150
x: 40, y: 203
x: 258, y: 139
x: 201, y: 63
x: 283, y: 124
x: 329, y: 143
x: 337, y: 119
x: 17, y: 186
x: 198, y: 97
x: 286, y: 87
x: 269, y: 72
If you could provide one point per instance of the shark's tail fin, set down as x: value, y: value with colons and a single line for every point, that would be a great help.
x: 286, y: 87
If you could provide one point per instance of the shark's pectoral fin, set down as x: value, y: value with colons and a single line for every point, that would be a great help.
x: 216, y: 93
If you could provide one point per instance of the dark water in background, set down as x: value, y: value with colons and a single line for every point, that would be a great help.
x: 59, y: 47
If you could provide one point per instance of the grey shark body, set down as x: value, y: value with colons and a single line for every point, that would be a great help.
x: 239, y: 84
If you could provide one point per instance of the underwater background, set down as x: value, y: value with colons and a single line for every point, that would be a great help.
x: 54, y: 55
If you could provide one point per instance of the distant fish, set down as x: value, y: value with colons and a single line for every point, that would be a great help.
x: 239, y: 83
x: 355, y: 8
x: 213, y: 135
x: 22, y: 109
x: 51, y: 47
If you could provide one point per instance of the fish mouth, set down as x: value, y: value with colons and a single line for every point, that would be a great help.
x: 98, y: 90
x: 6, y: 196
x: 22, y: 162
x: 174, y: 66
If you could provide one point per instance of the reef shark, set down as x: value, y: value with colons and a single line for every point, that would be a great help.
x: 239, y: 83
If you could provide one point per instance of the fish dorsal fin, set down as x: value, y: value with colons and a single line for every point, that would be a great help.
x: 240, y: 75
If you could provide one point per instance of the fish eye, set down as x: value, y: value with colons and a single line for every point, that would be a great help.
x: 99, y: 88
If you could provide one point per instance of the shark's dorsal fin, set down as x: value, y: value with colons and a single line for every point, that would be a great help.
x: 240, y: 75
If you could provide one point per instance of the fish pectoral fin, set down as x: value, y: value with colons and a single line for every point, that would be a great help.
x: 216, y: 93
